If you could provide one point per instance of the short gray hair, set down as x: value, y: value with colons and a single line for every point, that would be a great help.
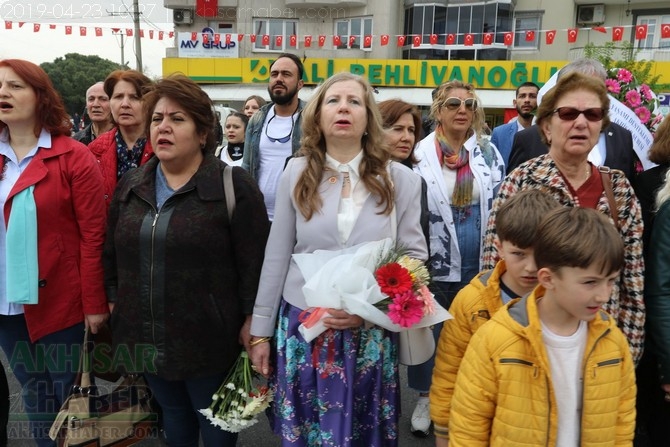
x: 586, y: 66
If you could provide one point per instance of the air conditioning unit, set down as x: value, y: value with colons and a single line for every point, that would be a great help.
x: 182, y: 16
x: 590, y: 14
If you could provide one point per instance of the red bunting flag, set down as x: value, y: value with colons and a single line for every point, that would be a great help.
x: 600, y: 29
x: 530, y: 36
x: 469, y: 40
x: 416, y: 41
x: 82, y: 31
x: 151, y: 33
x: 665, y: 31
x: 433, y: 39
x: 451, y: 39
x: 171, y: 34
x: 385, y: 39
x: 322, y: 40
x: 217, y: 38
x: 401, y: 41
x: 641, y: 32
x: 550, y: 36
x: 279, y: 40
x: 8, y: 24
x: 129, y: 32
x: 352, y: 41
x: 98, y: 31
x: 194, y: 35
x: 141, y: 34
x: 572, y: 35
x: 367, y: 41
x: 488, y: 38
x: 205, y: 38
x: 293, y: 40
x: 68, y: 29
x: 508, y: 38
x: 160, y: 35
x: 240, y: 36
x: 265, y: 40
x: 308, y: 41
x: 36, y: 27
x: 617, y: 33
x: 206, y: 8
x: 52, y: 26
x: 252, y: 38
x: 337, y: 41
x: 21, y: 24
x: 228, y: 38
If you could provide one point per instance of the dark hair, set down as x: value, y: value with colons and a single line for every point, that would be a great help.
x: 526, y: 84
x: 192, y: 98
x: 50, y: 112
x: 392, y: 110
x: 520, y: 215
x: 240, y: 115
x: 295, y: 59
x: 578, y: 237
x: 134, y: 77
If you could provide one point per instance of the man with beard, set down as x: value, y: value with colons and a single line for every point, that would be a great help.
x: 525, y: 104
x: 99, y: 113
x: 273, y: 133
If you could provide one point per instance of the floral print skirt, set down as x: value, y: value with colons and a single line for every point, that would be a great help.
x: 342, y: 389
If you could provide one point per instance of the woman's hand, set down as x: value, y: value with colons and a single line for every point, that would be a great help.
x: 245, y: 333
x: 259, y: 353
x: 95, y: 321
x: 340, y: 320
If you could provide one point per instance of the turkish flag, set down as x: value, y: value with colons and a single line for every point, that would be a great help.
x: 50, y: 26
x: 322, y: 40
x: 207, y: 8
x: 617, y: 33
x: 508, y: 38
x: 228, y: 38
x: 8, y: 24
x: 265, y: 40
x: 252, y: 38
x: 141, y: 34
x: 385, y: 39
x: 217, y: 38
x: 98, y: 31
x: 433, y: 39
x: 641, y: 32
x: 279, y: 40
x: 293, y: 40
x: 401, y: 41
x: 572, y: 35
x: 337, y: 41
x: 171, y: 34
x: 550, y: 36
x: 36, y: 27
x: 352, y: 41
x: 665, y: 31
x: 194, y: 35
x: 129, y: 32
x: 451, y: 39
x: 530, y: 36
x: 469, y: 40
x: 240, y: 36
x: 151, y: 34
x: 416, y: 41
x: 82, y: 30
x: 488, y: 38
x: 68, y: 29
x: 205, y: 38
x: 160, y: 35
x: 308, y: 41
x: 21, y: 24
x: 367, y: 41
x: 600, y: 29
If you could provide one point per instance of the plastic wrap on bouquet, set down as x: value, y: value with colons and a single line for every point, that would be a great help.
x: 344, y: 279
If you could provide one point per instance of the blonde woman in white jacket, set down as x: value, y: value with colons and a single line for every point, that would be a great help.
x: 462, y: 170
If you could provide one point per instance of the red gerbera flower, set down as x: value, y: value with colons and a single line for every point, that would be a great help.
x: 406, y: 309
x: 393, y: 279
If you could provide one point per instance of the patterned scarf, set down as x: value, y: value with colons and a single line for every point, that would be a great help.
x: 462, y: 195
x: 127, y: 159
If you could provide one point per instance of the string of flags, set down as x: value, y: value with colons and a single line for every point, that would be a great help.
x: 416, y: 40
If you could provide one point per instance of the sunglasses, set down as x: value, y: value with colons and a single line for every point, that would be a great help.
x: 281, y: 139
x: 454, y: 103
x: 570, y: 113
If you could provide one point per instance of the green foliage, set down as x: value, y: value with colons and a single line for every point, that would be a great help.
x: 73, y: 74
x: 623, y: 55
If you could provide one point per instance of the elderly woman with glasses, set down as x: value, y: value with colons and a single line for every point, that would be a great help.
x: 462, y: 170
x: 571, y: 117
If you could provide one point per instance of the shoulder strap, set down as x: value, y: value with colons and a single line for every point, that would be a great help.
x: 606, y: 178
x: 229, y: 190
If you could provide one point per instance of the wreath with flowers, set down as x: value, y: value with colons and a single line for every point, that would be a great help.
x: 640, y: 98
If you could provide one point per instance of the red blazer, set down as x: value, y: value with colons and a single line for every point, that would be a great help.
x: 71, y: 217
x: 104, y: 149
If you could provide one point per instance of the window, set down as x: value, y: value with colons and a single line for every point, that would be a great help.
x: 523, y: 23
x: 357, y: 28
x: 274, y: 28
x: 654, y: 38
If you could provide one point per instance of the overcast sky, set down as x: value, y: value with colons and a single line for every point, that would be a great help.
x: 48, y: 44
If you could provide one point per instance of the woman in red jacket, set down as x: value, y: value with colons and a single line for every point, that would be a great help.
x: 51, y: 236
x: 126, y: 146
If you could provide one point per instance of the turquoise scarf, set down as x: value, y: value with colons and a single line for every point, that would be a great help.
x: 21, y: 254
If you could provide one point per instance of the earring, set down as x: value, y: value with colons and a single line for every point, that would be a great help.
x: 365, y: 134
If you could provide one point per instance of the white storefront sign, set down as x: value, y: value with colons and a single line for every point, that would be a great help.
x: 200, y: 48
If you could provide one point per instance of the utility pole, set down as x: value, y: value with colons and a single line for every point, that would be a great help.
x: 119, y: 32
x: 138, y: 43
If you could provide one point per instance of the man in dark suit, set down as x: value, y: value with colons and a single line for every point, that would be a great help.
x: 618, y: 152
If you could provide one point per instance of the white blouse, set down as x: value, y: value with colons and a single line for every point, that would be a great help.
x: 350, y: 207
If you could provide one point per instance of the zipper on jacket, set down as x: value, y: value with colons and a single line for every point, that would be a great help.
x: 586, y: 358
x: 151, y: 277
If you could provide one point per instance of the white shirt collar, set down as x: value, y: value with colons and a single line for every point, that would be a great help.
x: 353, y: 165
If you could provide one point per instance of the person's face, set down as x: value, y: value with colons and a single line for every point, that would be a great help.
x: 400, y: 137
x: 521, y: 273
x: 18, y: 100
x: 526, y: 102
x: 97, y: 104
x: 126, y: 105
x: 251, y: 107
x: 284, y: 81
x: 343, y: 112
x: 576, y: 136
x: 173, y: 133
x: 458, y: 120
x: 577, y: 294
x: 234, y: 129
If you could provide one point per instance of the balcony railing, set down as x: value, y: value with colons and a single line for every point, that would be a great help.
x: 657, y: 54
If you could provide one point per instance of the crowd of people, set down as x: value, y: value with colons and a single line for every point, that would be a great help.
x: 536, y: 239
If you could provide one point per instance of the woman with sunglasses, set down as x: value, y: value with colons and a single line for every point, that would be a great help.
x: 571, y: 117
x: 462, y: 170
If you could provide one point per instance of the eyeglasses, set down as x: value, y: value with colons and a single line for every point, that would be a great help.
x: 570, y: 113
x: 454, y: 103
x: 282, y: 139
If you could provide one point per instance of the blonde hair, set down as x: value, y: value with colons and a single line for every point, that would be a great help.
x: 659, y: 152
x: 376, y: 155
x: 444, y: 92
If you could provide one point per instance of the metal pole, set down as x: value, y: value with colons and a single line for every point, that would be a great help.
x: 138, y: 44
x: 120, y: 33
